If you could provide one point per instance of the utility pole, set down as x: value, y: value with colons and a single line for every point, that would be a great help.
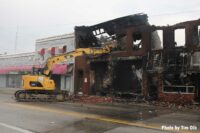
x: 16, y: 39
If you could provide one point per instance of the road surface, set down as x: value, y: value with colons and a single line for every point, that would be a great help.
x: 66, y: 117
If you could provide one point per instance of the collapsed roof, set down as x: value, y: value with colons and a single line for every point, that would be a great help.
x: 92, y: 36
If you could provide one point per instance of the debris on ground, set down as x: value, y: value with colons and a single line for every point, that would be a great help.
x: 93, y: 99
x: 137, y: 100
x: 194, y: 107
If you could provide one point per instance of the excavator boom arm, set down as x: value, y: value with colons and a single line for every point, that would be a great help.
x: 78, y: 52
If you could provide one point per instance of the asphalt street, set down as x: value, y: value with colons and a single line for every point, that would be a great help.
x: 68, y: 117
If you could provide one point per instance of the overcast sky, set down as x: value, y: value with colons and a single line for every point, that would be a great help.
x: 42, y: 18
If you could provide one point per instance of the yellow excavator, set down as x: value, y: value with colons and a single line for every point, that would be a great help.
x: 40, y: 82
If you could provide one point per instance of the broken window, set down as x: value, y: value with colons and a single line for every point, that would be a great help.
x: 178, y: 89
x: 157, y: 61
x: 178, y: 83
x: 180, y: 37
x: 195, y: 36
x: 195, y: 61
x: 102, y: 36
x: 137, y: 41
x: 157, y: 39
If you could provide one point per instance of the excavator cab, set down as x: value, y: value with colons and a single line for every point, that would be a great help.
x: 37, y: 82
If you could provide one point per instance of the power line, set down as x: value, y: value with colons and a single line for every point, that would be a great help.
x: 16, y: 39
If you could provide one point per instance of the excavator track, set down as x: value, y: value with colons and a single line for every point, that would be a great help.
x: 39, y: 96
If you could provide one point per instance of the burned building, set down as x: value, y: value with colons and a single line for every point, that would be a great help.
x: 121, y: 71
x: 139, y: 64
x: 175, y: 68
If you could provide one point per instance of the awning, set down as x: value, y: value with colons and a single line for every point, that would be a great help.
x: 41, y: 51
x: 59, y: 69
x: 6, y: 70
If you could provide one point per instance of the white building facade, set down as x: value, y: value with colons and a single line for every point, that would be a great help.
x: 12, y: 67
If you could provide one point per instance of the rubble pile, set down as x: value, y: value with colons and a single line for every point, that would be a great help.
x: 177, y: 98
x: 176, y: 106
x: 93, y: 99
x: 104, y: 100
